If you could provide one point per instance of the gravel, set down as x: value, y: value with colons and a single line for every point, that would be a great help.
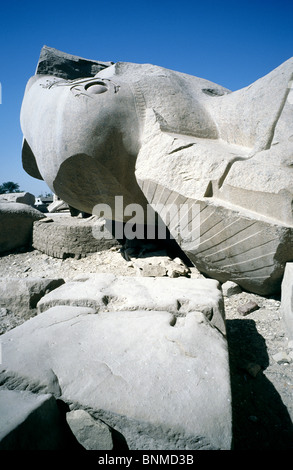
x: 261, y: 357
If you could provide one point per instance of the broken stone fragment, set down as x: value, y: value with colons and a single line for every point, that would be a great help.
x: 21, y: 296
x: 92, y: 434
x: 282, y: 358
x: 248, y: 308
x: 230, y: 288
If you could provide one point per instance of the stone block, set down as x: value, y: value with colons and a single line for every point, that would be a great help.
x: 65, y: 237
x: 16, y: 221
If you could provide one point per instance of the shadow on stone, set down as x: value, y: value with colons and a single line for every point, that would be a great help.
x: 119, y: 441
x: 260, y: 419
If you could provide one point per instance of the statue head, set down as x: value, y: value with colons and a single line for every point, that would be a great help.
x: 82, y: 136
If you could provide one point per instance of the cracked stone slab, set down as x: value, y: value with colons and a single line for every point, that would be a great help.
x: 109, y: 292
x: 164, y: 374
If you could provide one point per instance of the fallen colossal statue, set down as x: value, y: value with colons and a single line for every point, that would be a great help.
x: 166, y: 139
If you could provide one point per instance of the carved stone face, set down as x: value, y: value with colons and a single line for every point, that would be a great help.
x: 83, y: 135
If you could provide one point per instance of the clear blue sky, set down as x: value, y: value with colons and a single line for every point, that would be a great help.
x: 230, y: 43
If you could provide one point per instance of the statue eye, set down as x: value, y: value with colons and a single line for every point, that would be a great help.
x: 96, y: 88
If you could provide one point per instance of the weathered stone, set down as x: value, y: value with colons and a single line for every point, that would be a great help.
x: 21, y: 295
x: 162, y: 382
x: 151, y: 270
x: 230, y: 288
x: 67, y: 236
x: 107, y: 292
x: 282, y: 357
x: 174, y: 142
x: 287, y: 300
x: 29, y: 422
x: 16, y: 221
x: 195, y: 273
x: 24, y: 198
x: 160, y: 266
x: 92, y: 434
x: 248, y: 308
x: 58, y: 63
x: 227, y: 240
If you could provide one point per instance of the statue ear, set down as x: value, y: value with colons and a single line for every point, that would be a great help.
x: 29, y: 161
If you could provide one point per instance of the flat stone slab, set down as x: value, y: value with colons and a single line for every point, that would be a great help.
x: 287, y: 300
x: 160, y: 379
x: 29, y: 421
x: 107, y: 292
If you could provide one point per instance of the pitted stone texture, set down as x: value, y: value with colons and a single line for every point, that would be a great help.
x: 147, y: 369
x: 107, y: 292
x: 16, y: 222
x: 29, y: 422
x: 287, y: 300
x: 65, y: 237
